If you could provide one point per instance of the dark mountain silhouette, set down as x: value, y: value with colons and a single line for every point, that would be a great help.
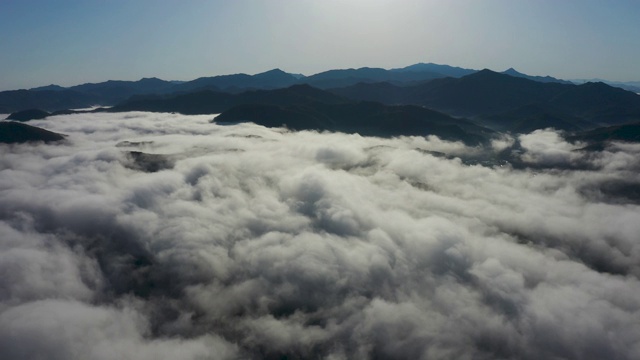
x: 211, y: 102
x: 272, y: 79
x: 346, y: 77
x: 114, y: 91
x: 302, y: 107
x: 383, y: 92
x: 364, y: 118
x: 443, y: 70
x: 513, y: 72
x: 492, y: 98
x: 51, y: 87
x: 633, y: 86
x: 531, y: 117
x: 599, y: 103
x: 108, y: 93
x: 602, y: 135
x: 481, y: 93
x: 402, y: 76
x: 50, y: 100
x: 12, y: 132
x: 25, y: 115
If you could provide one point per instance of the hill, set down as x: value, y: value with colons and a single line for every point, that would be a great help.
x: 213, y: 102
x: 515, y: 73
x: 271, y: 79
x: 25, y: 115
x: 600, y: 136
x: 53, y: 97
x: 486, y: 96
x: 12, y: 132
x: 364, y: 118
x: 51, y: 100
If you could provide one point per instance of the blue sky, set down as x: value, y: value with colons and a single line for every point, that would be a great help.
x: 69, y: 42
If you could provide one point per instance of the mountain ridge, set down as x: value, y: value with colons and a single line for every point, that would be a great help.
x: 111, y: 92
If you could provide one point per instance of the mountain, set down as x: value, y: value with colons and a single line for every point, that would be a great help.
x: 271, y: 79
x: 364, y: 118
x: 487, y: 96
x: 598, y: 103
x: 213, y: 102
x: 633, y: 86
x: 483, y: 92
x: 108, y: 93
x: 443, y: 70
x: 12, y: 132
x: 25, y: 115
x: 346, y: 77
x: 51, y: 87
x: 599, y: 136
x: 302, y: 107
x: 494, y: 100
x: 531, y: 117
x: 513, y: 72
x: 114, y: 91
x: 50, y: 100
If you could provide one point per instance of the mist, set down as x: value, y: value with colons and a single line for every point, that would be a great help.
x: 152, y: 236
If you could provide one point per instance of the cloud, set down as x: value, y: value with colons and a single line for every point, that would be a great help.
x: 547, y: 146
x: 260, y: 243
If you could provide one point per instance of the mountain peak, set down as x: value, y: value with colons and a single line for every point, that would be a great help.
x: 512, y: 71
x: 272, y: 72
x: 483, y: 72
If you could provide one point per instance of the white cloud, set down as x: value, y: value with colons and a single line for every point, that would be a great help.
x: 260, y: 242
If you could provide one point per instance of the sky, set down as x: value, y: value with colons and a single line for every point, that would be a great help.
x: 259, y: 243
x: 69, y: 42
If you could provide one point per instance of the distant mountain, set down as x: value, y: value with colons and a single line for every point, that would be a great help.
x: 486, y: 96
x: 513, y: 72
x: 483, y: 92
x: 12, y: 132
x: 303, y: 107
x: 633, y: 86
x: 346, y: 77
x: 443, y: 70
x: 51, y: 87
x: 498, y: 101
x: 114, y: 91
x: 271, y: 79
x: 480, y: 93
x: 492, y: 100
x: 108, y: 93
x: 626, y: 132
x: 212, y: 102
x: 531, y: 117
x: 364, y: 118
x: 51, y: 100
x: 599, y: 103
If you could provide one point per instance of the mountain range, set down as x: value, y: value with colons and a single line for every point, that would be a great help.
x: 12, y: 132
x: 422, y: 99
x: 53, y: 97
x: 498, y: 99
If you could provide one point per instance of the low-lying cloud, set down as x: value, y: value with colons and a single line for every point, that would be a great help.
x: 262, y: 243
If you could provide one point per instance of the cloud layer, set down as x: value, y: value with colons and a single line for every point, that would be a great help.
x: 250, y: 242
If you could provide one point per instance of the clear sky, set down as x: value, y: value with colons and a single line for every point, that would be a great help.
x: 68, y: 42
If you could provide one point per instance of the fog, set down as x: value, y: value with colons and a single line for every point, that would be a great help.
x: 163, y: 236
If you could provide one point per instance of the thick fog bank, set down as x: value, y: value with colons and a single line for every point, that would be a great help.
x: 162, y: 236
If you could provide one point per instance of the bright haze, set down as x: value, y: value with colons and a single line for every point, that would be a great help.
x: 70, y: 42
